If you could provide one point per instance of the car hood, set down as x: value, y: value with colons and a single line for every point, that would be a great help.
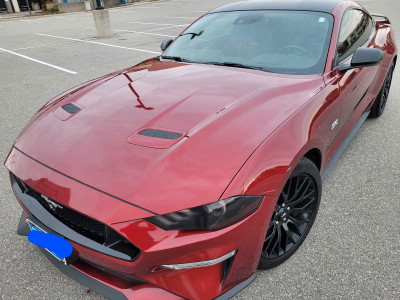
x: 222, y: 114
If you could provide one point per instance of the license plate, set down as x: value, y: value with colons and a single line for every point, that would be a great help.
x: 32, y: 227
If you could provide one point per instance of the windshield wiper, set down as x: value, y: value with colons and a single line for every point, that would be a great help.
x: 226, y: 64
x: 194, y: 34
x: 236, y: 65
x: 175, y: 58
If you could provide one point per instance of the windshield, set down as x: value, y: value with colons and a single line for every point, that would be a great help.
x: 289, y: 42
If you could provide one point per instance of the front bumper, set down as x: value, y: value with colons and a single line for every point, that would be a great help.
x: 142, y: 278
x: 107, y: 284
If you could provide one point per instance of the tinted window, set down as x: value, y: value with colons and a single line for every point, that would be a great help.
x: 355, y: 31
x: 292, y: 42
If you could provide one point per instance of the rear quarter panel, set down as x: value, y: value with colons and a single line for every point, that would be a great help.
x: 384, y: 39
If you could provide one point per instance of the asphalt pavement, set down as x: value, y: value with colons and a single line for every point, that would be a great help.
x: 353, y: 250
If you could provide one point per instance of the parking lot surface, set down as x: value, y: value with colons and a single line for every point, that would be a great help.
x: 353, y: 250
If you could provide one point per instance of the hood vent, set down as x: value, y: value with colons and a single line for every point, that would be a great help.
x: 158, y: 138
x: 160, y: 134
x: 71, y: 108
x: 67, y: 111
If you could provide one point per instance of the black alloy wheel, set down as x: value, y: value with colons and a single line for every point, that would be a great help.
x: 293, y: 216
x: 381, y: 101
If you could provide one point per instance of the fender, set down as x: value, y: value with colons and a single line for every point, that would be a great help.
x: 295, y: 137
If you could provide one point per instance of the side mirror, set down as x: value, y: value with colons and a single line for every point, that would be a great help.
x: 165, y: 44
x: 364, y: 57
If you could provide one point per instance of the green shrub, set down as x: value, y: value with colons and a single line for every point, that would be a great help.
x: 53, y: 10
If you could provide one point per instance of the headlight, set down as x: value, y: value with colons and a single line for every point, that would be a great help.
x: 212, y: 216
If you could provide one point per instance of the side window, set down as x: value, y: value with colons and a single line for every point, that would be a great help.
x: 355, y: 31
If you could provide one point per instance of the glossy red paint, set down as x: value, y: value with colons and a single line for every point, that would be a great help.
x: 223, y: 109
x: 244, y: 132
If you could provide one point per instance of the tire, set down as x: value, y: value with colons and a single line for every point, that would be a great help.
x: 380, y: 102
x: 293, y: 216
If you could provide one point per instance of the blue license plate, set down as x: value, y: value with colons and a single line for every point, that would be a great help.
x: 33, y: 227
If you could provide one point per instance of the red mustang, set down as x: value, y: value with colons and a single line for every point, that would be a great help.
x: 180, y: 176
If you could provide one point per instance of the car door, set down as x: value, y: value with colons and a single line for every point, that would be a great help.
x: 356, y: 31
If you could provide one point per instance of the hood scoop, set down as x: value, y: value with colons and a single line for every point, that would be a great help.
x: 67, y: 111
x: 160, y: 134
x: 71, y: 108
x: 156, y: 137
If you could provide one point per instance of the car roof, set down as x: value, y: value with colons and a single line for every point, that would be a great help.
x: 311, y: 5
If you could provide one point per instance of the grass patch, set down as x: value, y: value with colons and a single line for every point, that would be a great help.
x: 53, y: 10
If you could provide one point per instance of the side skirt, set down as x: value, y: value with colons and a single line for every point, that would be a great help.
x: 331, y: 162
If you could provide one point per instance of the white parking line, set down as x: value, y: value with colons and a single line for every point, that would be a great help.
x: 184, y: 25
x: 182, y: 17
x: 148, y: 23
x: 43, y: 45
x: 96, y: 43
x: 39, y: 61
x: 31, y: 21
x: 142, y: 32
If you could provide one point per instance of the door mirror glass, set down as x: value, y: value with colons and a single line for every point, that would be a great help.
x: 165, y: 44
x: 364, y: 57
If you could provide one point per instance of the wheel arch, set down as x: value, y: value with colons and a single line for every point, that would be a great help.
x: 268, y: 169
x: 315, y: 156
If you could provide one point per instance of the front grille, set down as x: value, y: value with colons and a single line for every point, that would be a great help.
x: 82, y: 224
x: 78, y: 222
